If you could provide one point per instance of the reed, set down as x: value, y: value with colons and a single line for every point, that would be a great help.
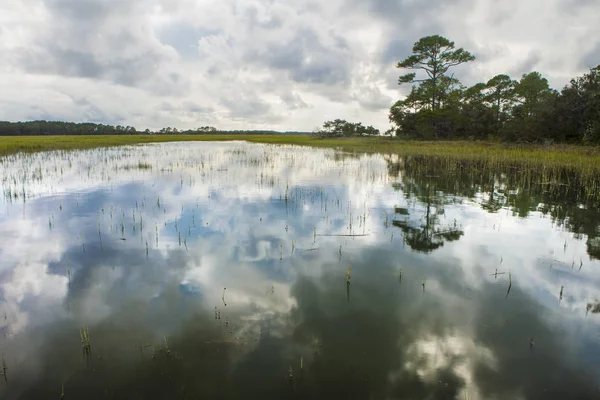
x: 86, y: 345
x: 3, y: 370
x: 348, y: 273
x: 509, y: 284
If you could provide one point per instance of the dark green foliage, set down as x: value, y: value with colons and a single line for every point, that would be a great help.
x: 54, y: 128
x: 40, y: 128
x: 500, y: 96
x: 522, y: 111
x: 435, y: 55
x: 343, y: 128
x: 574, y: 115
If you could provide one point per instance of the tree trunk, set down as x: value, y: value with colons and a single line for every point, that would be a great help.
x: 498, y: 111
x: 434, y: 79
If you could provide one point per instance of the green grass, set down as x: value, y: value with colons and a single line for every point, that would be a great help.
x: 578, y: 157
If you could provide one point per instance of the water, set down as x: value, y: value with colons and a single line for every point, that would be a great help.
x: 234, y: 270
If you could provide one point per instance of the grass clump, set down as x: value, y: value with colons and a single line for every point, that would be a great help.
x: 86, y: 345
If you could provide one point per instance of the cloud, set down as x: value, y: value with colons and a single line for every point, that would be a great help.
x: 293, y: 100
x: 308, y: 59
x: 196, y: 108
x: 396, y: 50
x: 592, y: 58
x: 184, y: 37
x: 94, y: 113
x: 371, y: 98
x: 246, y: 107
x: 525, y: 66
x: 337, y: 57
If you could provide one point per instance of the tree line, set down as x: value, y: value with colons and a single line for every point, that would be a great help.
x: 439, y: 106
x: 43, y: 128
x: 343, y: 128
x: 31, y: 128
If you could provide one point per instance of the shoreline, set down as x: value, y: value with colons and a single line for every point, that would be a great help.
x: 585, y: 159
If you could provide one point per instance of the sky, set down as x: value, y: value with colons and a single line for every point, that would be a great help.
x: 265, y: 64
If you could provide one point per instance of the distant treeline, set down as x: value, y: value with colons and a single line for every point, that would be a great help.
x: 439, y: 106
x: 42, y: 128
x: 33, y: 128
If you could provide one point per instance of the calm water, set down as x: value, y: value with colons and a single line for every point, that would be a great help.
x: 231, y: 270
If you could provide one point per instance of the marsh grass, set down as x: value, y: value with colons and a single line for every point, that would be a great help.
x: 86, y: 345
x: 348, y: 273
x: 495, y: 274
x: 509, y: 284
x: 144, y: 165
x: 165, y: 350
x: 562, y: 288
x: 3, y: 370
x: 584, y: 159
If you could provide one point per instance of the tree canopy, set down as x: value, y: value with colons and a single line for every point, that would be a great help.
x: 527, y: 109
x: 435, y: 55
x: 343, y: 128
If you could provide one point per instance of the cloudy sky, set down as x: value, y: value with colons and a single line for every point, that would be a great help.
x: 255, y: 64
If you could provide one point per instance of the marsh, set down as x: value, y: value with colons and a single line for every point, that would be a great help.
x: 258, y: 271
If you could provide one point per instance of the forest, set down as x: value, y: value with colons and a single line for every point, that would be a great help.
x: 524, y: 110
x: 50, y: 128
